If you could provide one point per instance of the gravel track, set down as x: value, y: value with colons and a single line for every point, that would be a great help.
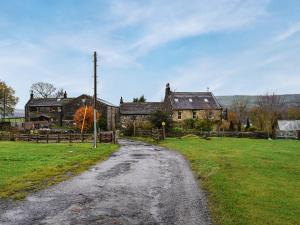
x: 139, y: 184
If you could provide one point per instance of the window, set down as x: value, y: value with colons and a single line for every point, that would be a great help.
x: 53, y: 109
x: 44, y: 109
x: 33, y: 109
x: 190, y: 100
x: 194, y: 115
x: 179, y: 115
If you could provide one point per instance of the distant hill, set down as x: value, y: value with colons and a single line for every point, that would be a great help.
x: 18, y: 113
x: 292, y: 100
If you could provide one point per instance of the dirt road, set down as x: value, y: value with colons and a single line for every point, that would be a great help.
x: 139, y: 184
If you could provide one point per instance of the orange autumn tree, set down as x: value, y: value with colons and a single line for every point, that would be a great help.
x: 88, y: 120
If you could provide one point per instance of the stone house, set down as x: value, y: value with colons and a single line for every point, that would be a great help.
x: 137, y: 112
x: 180, y: 106
x: 192, y: 105
x: 61, y: 111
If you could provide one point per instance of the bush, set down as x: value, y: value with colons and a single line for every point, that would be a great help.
x: 204, y: 125
x: 189, y: 123
x: 159, y: 116
x: 253, y: 128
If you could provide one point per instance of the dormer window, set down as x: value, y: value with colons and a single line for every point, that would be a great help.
x: 176, y: 99
x: 190, y: 100
x: 206, y: 100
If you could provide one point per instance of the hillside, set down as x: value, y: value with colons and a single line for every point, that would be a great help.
x: 292, y: 100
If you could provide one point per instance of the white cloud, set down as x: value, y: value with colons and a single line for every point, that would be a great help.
x: 295, y: 28
x: 160, y: 22
x: 252, y: 71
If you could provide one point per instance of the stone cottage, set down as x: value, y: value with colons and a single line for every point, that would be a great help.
x: 180, y: 106
x: 137, y: 112
x: 192, y: 105
x: 61, y: 111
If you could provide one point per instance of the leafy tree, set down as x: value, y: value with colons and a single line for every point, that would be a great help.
x: 89, y: 118
x: 102, y: 123
x: 159, y: 116
x: 140, y: 99
x: 8, y: 100
x: 43, y: 90
x: 248, y: 124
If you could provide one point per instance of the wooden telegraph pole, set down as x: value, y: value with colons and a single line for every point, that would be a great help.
x: 95, y: 99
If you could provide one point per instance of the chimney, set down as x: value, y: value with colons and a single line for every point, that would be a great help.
x: 31, y: 94
x: 121, y: 100
x: 65, y: 95
x: 168, y: 90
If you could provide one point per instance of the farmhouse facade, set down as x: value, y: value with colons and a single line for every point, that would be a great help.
x: 179, y: 105
x: 137, y: 112
x: 192, y: 105
x: 61, y: 111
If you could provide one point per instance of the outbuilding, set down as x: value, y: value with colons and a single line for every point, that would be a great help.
x: 288, y: 129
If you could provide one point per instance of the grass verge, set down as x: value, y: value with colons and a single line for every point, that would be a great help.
x: 29, y: 167
x: 249, y: 182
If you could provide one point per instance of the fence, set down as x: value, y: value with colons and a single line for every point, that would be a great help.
x: 103, y: 137
x: 149, y: 133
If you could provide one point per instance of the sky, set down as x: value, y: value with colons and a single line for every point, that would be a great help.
x: 231, y: 46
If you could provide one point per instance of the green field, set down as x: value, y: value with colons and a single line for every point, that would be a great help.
x: 249, y: 181
x: 28, y: 167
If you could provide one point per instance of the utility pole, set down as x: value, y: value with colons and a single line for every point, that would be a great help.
x: 95, y: 99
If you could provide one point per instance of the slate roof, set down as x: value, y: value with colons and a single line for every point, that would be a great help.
x: 194, y: 100
x: 289, y: 125
x: 60, y: 101
x: 139, y: 108
x: 106, y: 102
x: 48, y: 101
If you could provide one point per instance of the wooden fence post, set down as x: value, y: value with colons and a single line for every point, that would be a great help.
x: 37, y: 138
x: 70, y: 138
x: 47, y: 136
x: 57, y: 138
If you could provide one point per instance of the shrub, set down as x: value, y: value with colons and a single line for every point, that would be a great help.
x: 204, y: 125
x: 253, y: 128
x: 189, y: 123
x: 159, y: 116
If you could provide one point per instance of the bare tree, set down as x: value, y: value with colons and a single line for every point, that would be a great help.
x: 43, y: 90
x: 59, y: 93
x: 270, y: 107
x: 240, y: 108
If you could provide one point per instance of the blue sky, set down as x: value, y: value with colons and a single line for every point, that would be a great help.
x: 230, y: 46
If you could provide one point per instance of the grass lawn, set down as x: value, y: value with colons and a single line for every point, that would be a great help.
x: 28, y: 167
x: 249, y: 182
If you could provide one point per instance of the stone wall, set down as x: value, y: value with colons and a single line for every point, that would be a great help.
x: 140, y: 121
x: 200, y: 114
